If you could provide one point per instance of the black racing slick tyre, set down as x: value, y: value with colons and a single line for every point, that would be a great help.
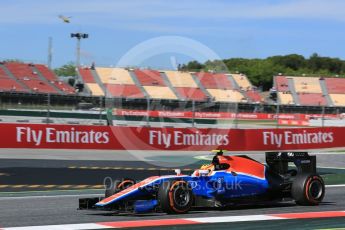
x: 117, y: 186
x: 308, y: 189
x: 175, y: 197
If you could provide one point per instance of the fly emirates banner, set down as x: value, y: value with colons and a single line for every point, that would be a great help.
x: 184, y: 139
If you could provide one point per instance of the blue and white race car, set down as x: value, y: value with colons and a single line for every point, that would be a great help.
x: 226, y: 181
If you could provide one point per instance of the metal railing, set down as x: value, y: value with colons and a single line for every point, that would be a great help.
x: 100, y: 108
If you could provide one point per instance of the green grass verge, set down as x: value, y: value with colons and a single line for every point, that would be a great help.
x: 334, y: 179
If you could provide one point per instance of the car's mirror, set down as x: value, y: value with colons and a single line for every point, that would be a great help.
x: 178, y: 172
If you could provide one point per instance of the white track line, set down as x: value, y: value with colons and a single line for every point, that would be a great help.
x: 224, y: 219
x: 48, y: 196
x: 329, y: 167
x: 62, y: 227
x: 184, y: 221
x: 335, y: 185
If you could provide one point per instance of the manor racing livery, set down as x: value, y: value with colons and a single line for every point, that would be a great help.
x: 226, y: 181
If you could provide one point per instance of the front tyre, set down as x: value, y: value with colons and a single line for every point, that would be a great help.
x: 308, y: 189
x: 175, y: 197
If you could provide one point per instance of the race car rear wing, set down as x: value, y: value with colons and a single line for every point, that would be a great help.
x: 279, y: 161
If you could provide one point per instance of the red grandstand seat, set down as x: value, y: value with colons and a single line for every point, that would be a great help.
x: 214, y: 81
x: 64, y: 87
x: 188, y: 93
x: 86, y: 75
x: 7, y: 84
x: 149, y: 77
x: 27, y: 75
x: 46, y: 72
x: 39, y: 86
x: 282, y: 84
x: 10, y: 85
x: 335, y: 85
x: 254, y: 95
x: 315, y: 99
x: 3, y: 74
x: 21, y: 70
x: 125, y: 91
x: 52, y: 78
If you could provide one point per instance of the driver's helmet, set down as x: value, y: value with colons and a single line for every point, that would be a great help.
x: 207, y: 167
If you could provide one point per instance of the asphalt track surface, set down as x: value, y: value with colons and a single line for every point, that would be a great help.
x: 36, y: 175
x: 20, y: 175
x: 45, y: 210
x: 176, y: 159
x: 56, y: 207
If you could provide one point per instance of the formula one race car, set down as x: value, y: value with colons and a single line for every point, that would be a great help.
x: 227, y: 181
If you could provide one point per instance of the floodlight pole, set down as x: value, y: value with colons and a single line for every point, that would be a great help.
x: 50, y: 52
x: 78, y: 36
x: 78, y: 52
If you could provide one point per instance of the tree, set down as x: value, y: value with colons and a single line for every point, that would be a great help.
x: 216, y: 65
x: 261, y: 71
x: 66, y: 70
x: 315, y: 63
x: 192, y: 65
x: 292, y: 61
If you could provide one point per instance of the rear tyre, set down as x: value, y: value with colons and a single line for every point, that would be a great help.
x: 308, y: 189
x: 117, y: 186
x: 175, y: 197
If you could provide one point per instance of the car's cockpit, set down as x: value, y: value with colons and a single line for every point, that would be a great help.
x: 219, y: 162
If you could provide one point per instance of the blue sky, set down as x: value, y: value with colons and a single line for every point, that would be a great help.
x: 242, y: 28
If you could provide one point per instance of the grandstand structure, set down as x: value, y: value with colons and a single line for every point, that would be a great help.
x: 136, y: 88
x: 169, y: 85
x: 310, y: 91
x: 31, y: 78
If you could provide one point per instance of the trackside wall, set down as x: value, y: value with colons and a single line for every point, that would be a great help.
x: 149, y: 138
